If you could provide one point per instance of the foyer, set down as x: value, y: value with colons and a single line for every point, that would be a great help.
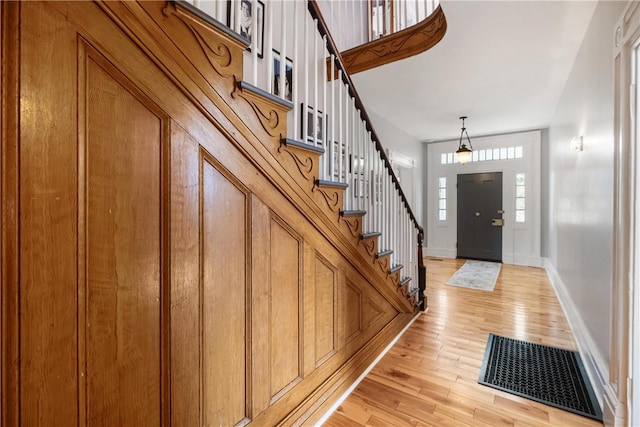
x: 429, y: 377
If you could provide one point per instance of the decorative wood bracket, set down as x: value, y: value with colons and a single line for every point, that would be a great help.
x: 216, y: 42
x: 270, y: 110
x: 353, y: 220
x: 370, y: 242
x: 304, y: 156
x: 332, y: 193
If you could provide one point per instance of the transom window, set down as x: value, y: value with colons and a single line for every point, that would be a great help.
x: 483, y: 155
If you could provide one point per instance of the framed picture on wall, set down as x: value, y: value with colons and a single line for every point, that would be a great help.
x: 246, y: 25
x: 278, y: 68
x: 376, y: 187
x: 316, y: 125
x: 338, y: 154
x: 357, y: 174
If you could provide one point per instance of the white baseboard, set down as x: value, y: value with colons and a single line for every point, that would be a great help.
x: 595, y: 365
x: 520, y: 259
x: 514, y: 259
x: 441, y: 252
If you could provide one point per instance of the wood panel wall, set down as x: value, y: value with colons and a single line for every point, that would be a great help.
x: 163, y: 269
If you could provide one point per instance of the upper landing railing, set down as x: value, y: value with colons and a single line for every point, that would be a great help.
x: 356, y: 22
x: 292, y: 55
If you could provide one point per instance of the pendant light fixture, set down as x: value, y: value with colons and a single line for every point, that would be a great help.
x: 464, y: 153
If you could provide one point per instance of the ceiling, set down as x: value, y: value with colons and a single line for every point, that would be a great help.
x: 503, y: 64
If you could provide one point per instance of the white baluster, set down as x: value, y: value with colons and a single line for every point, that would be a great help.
x: 355, y: 158
x: 333, y: 117
x: 340, y: 128
x: 354, y: 26
x: 386, y: 203
x: 236, y: 16
x: 318, y: 116
x: 372, y: 174
x: 268, y: 46
x: 403, y: 242
x: 347, y: 139
x: 219, y: 11
x: 295, y: 81
x: 282, y: 77
x: 360, y: 160
x: 323, y: 168
x: 406, y: 13
x: 392, y: 232
x: 254, y: 41
x: 306, y: 107
x: 378, y: 198
x: 370, y: 20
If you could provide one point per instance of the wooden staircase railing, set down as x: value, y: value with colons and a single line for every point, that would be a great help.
x: 328, y: 114
x: 338, y: 63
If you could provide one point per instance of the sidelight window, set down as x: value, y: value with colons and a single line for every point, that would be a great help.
x: 520, y: 197
x: 442, y: 199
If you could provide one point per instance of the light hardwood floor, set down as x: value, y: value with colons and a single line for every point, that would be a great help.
x: 429, y: 377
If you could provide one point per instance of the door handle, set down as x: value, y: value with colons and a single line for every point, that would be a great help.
x: 497, y: 222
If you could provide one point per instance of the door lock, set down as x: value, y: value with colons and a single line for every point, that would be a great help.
x: 497, y: 222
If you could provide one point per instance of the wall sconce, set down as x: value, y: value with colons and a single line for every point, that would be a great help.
x: 576, y: 143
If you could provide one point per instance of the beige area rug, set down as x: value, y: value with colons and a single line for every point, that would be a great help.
x: 481, y: 275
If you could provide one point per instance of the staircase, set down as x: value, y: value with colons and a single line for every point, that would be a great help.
x: 207, y: 266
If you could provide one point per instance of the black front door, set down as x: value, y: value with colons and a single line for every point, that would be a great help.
x: 480, y: 216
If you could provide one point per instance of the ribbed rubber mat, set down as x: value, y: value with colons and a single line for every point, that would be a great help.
x: 549, y: 375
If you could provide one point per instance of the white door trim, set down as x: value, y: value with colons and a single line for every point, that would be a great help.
x: 622, y: 398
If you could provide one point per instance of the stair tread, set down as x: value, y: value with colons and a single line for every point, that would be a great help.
x: 384, y: 253
x: 353, y: 213
x: 371, y: 235
x: 395, y: 268
x: 404, y: 281
x: 413, y: 292
x: 255, y: 89
x: 299, y: 144
x: 324, y: 183
x: 212, y: 21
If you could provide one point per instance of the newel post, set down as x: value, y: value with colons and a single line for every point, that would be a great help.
x: 422, y: 273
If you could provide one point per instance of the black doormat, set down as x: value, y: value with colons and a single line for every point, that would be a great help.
x: 548, y: 375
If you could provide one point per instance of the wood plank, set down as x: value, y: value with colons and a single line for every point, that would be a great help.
x: 286, y: 275
x: 185, y: 275
x: 47, y: 387
x: 223, y: 295
x: 124, y: 277
x: 441, y: 354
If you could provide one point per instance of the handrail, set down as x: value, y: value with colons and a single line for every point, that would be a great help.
x: 356, y: 22
x: 314, y: 10
x: 355, y: 151
x: 398, y: 45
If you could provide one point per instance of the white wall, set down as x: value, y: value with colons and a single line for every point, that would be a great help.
x: 397, y: 140
x: 579, y: 233
x: 520, y: 241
